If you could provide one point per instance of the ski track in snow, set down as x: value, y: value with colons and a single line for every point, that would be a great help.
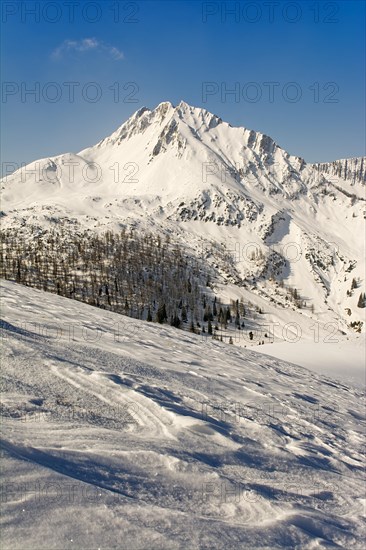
x: 160, y: 440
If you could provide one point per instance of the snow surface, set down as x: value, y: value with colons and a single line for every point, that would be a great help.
x: 118, y: 433
x: 342, y: 359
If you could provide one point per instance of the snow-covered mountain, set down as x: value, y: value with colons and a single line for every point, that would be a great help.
x: 118, y: 433
x: 182, y: 171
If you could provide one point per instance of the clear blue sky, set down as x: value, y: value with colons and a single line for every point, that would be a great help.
x: 170, y: 50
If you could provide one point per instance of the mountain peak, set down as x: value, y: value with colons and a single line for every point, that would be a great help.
x: 164, y: 107
x: 184, y: 106
x: 164, y: 104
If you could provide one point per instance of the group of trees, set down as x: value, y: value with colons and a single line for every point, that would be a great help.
x: 137, y: 275
x: 362, y: 297
x: 293, y: 295
x: 141, y: 276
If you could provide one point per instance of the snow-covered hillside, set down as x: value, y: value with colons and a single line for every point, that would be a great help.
x: 122, y: 434
x: 183, y: 172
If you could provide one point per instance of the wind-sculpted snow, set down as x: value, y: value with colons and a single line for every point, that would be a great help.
x: 122, y: 434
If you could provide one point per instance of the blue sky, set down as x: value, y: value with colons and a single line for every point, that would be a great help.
x: 296, y: 70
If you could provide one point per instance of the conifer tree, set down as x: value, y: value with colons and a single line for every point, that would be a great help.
x: 362, y: 300
x: 175, y: 321
x: 227, y: 315
x: 161, y: 315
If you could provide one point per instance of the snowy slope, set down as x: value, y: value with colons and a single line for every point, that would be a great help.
x: 122, y: 434
x: 182, y: 171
